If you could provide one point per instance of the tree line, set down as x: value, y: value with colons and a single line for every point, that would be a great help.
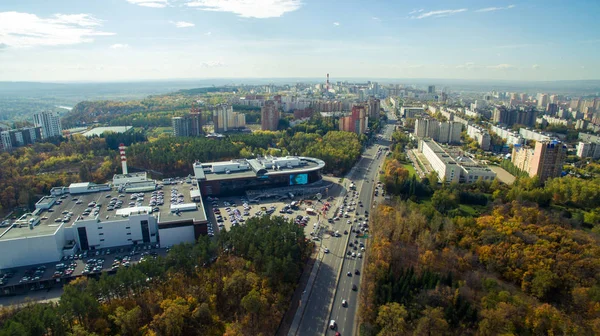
x: 240, y: 284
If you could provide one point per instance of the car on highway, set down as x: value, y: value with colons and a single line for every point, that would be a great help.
x: 349, y: 274
x: 344, y: 303
x: 326, y: 250
x: 356, y: 271
x: 332, y: 324
x: 354, y: 288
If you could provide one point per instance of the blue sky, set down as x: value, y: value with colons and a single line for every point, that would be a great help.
x: 106, y: 40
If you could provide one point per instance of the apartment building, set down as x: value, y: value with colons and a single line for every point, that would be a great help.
x: 511, y: 137
x: 452, y: 169
x: 545, y: 160
x: 356, y: 122
x: 588, y: 150
x: 189, y: 125
x: 269, y: 116
x: 49, y: 122
x: 480, y: 135
x: 20, y: 137
x: 529, y: 134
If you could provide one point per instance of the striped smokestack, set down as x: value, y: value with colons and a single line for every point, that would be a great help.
x: 123, y: 158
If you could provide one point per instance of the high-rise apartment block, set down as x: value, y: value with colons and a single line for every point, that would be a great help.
x: 552, y: 109
x: 545, y: 161
x: 442, y: 132
x: 269, y: 116
x: 356, y: 122
x: 522, y: 116
x: 374, y: 107
x: 588, y: 150
x: 189, y: 125
x: 542, y: 100
x: 224, y: 119
x: 20, y: 137
x: 431, y: 89
x: 49, y: 122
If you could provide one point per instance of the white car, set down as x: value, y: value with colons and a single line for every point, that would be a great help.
x: 326, y: 250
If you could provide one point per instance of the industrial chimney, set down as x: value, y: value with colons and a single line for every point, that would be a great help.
x: 123, y: 158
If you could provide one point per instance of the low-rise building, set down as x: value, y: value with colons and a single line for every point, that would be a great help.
x: 511, y: 137
x: 529, y: 134
x: 452, y: 169
x: 411, y: 111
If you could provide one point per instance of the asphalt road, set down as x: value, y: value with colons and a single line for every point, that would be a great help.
x: 346, y: 317
x: 327, y: 287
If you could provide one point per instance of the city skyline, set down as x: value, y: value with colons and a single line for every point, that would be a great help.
x: 166, y: 39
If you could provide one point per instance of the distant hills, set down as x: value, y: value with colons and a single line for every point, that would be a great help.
x: 19, y: 100
x: 116, y: 90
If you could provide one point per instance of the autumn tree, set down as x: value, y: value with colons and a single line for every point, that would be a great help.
x: 432, y: 322
x: 391, y: 319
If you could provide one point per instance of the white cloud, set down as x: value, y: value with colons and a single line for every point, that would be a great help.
x: 27, y: 30
x: 416, y: 11
x: 535, y: 66
x: 182, y: 24
x: 376, y: 18
x: 501, y: 67
x: 439, y: 13
x: 119, y: 46
x: 468, y: 65
x: 493, y: 9
x: 150, y: 3
x: 260, y: 9
x: 336, y: 23
x: 208, y: 33
x: 84, y: 20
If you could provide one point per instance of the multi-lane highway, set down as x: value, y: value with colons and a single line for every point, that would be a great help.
x: 322, y: 301
x: 346, y: 317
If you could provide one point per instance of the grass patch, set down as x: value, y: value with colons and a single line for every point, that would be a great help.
x: 156, y: 131
x: 410, y: 168
x: 468, y: 210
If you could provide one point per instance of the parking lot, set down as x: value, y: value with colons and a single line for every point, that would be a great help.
x: 227, y: 212
x: 47, y: 275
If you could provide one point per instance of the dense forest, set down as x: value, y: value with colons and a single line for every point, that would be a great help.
x: 483, y: 259
x: 174, y: 156
x: 105, y: 111
x: 238, y: 285
x: 28, y: 173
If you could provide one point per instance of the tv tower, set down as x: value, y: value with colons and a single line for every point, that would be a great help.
x: 327, y: 83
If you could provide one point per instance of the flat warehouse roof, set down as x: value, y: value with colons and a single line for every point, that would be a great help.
x: 165, y: 215
x: 25, y: 232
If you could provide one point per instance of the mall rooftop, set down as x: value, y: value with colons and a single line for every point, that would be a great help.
x: 261, y: 166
